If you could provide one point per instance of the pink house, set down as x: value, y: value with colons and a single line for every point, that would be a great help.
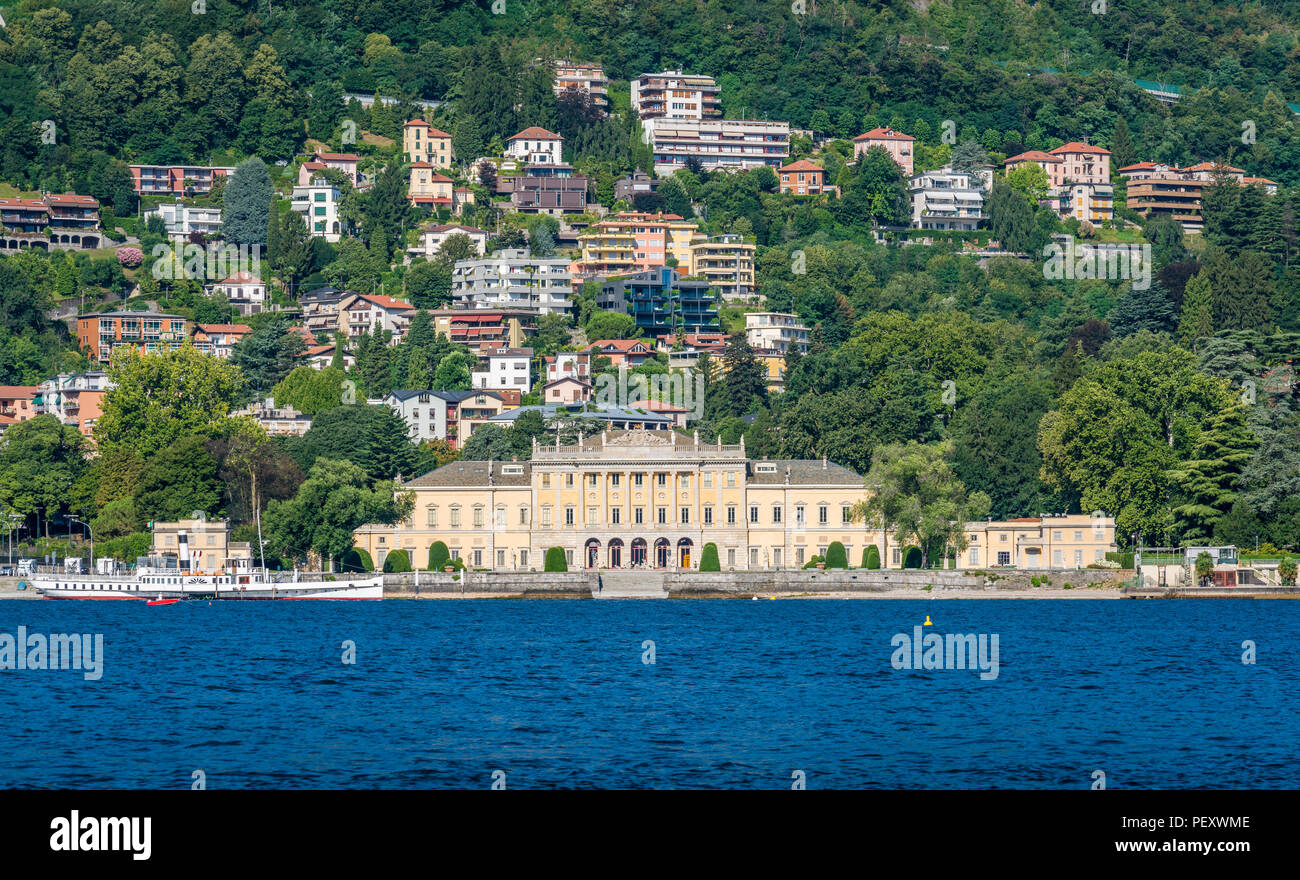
x: 1073, y: 162
x: 897, y: 144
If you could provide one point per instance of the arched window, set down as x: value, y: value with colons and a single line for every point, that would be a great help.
x: 616, y: 553
x: 638, y: 551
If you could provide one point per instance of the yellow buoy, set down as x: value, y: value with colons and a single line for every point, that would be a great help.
x: 927, y: 621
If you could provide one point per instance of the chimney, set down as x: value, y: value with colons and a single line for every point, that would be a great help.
x: 823, y: 462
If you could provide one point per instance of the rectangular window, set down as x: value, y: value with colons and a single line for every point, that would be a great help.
x: 1004, y: 557
x: 686, y: 481
x: 662, y: 479
x: 568, y: 557
x: 546, y: 517
x: 731, y: 557
x: 823, y: 515
x: 846, y: 514
x: 731, y: 514
x: 638, y: 515
x: 686, y: 515
x: 613, y: 480
x: 432, y: 518
x: 478, y: 558
x: 1058, y: 558
x: 1056, y: 535
x: 546, y: 481
x: 523, y: 516
x: 974, y: 556
x: 662, y: 516
x: 708, y: 515
x: 708, y: 480
x: 523, y: 558
x: 753, y: 513
x: 776, y: 513
x: 731, y: 479
x: 895, y: 557
x: 478, y: 517
x: 799, y: 515
x: 501, y: 559
x: 638, y: 479
x: 1078, y: 557
x: 1078, y: 536
x: 593, y: 516
x: 568, y: 480
x: 568, y: 516
x: 455, y: 517
x: 776, y: 556
x: 593, y: 481
x: 501, y: 518
x: 615, y: 515
x: 753, y: 557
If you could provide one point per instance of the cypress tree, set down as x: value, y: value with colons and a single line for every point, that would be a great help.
x: 1197, y: 320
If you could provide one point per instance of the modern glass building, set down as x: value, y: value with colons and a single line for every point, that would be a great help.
x: 661, y: 301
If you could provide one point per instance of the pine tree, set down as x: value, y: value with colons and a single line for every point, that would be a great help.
x: 1207, y: 483
x: 273, y: 236
x: 1197, y: 320
x: 1121, y: 145
x: 245, y: 204
x: 744, y: 379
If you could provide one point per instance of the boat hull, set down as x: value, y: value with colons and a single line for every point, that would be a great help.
x: 66, y: 588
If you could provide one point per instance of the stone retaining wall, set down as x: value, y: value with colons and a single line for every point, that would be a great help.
x: 524, y: 583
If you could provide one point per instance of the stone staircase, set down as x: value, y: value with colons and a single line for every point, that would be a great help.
x: 630, y: 585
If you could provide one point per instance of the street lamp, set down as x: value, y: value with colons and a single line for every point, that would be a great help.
x: 91, y: 531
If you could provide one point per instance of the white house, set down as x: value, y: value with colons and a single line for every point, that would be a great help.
x: 503, y: 369
x: 537, y: 146
x: 947, y: 200
x: 318, y: 203
x: 246, y: 292
x: 182, y: 220
x: 432, y: 239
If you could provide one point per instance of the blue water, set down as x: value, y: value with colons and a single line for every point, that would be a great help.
x: 741, y: 694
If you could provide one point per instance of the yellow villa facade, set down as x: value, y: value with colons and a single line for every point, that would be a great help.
x: 639, y: 498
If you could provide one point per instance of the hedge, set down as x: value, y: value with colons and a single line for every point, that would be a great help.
x: 396, y: 562
x: 439, y: 556
x: 709, y: 559
x: 912, y: 557
x: 357, y: 559
x: 555, y: 560
x: 836, y: 556
x: 871, y: 557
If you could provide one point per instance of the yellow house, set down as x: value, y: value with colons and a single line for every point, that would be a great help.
x: 428, y: 187
x: 421, y: 142
x: 726, y: 262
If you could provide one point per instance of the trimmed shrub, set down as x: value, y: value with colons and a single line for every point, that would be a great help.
x: 555, y: 560
x: 709, y: 559
x: 357, y: 559
x: 812, y: 563
x: 836, y: 556
x: 871, y: 557
x: 912, y: 557
x: 1286, y: 570
x: 439, y: 556
x: 396, y: 562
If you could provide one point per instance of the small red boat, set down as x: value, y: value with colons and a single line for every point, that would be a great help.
x: 161, y: 601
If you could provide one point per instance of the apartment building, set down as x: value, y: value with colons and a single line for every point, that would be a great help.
x: 626, y: 188
x: 1088, y: 202
x: 536, y: 146
x: 568, y: 365
x: 17, y: 402
x: 421, y: 142
x: 898, y: 145
x: 177, y: 180
x: 503, y: 369
x: 1155, y: 188
x: 67, y: 217
x: 567, y: 390
x: 726, y: 262
x: 673, y: 94
x: 513, y: 279
x: 632, y: 242
x: 485, y: 328
x: 318, y: 203
x: 75, y: 399
x: 946, y: 199
x: 662, y: 302
x: 623, y: 352
x: 146, y: 332
x: 345, y: 162
x: 589, y: 78
x: 183, y: 220
x: 320, y: 311
x: 776, y: 331
x: 804, y: 178
x: 718, y: 144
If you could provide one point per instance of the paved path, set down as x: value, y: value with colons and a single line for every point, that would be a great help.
x: 630, y: 585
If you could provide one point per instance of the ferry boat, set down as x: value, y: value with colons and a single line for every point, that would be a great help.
x: 152, y: 583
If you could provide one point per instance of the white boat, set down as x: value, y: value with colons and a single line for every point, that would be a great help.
x: 149, y: 582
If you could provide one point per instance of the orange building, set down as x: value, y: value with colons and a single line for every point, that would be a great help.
x: 897, y: 144
x: 804, y: 178
x: 102, y: 334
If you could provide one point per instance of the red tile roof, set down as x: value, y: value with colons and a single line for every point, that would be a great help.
x: 433, y: 132
x: 242, y: 278
x: 224, y: 328
x: 535, y: 132
x: 884, y: 134
x: 339, y: 157
x: 387, y: 302
x: 802, y: 165
x: 1034, y: 156
x: 1077, y: 147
